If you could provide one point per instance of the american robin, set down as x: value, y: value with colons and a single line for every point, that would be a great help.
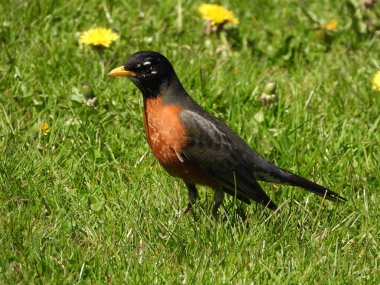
x: 197, y: 147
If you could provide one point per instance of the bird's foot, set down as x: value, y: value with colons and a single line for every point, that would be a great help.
x: 218, y: 199
x: 241, y: 213
x: 192, y: 195
x: 215, y: 210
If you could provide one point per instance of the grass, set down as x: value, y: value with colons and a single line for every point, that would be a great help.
x: 88, y: 203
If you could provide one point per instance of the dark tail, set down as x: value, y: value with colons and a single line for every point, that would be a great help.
x: 266, y: 171
x: 295, y: 180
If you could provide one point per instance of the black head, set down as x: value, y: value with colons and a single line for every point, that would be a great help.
x: 149, y: 70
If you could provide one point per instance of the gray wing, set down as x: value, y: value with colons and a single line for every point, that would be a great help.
x: 220, y: 153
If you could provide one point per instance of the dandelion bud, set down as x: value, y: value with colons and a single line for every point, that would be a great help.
x: 270, y: 88
x: 268, y: 97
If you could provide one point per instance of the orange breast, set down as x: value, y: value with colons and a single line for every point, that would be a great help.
x: 167, y: 136
x: 164, y: 131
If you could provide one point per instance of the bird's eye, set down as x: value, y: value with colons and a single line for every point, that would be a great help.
x: 146, y: 68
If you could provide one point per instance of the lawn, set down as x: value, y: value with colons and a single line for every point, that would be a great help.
x: 82, y: 199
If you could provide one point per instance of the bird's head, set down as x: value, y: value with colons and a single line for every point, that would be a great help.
x: 149, y: 70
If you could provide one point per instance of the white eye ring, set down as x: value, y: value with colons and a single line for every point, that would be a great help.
x: 147, y: 63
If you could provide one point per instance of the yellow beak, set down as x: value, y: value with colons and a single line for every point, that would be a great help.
x: 121, y: 71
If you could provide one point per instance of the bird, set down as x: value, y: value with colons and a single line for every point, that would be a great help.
x: 198, y: 148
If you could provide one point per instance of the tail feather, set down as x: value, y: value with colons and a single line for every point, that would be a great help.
x: 295, y: 180
x: 266, y: 171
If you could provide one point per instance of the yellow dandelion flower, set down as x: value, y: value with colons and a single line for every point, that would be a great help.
x: 45, y: 128
x: 330, y: 25
x: 217, y: 14
x: 376, y: 81
x: 98, y: 37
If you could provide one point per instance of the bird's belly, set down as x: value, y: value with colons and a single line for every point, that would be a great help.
x: 166, y: 136
x: 176, y: 165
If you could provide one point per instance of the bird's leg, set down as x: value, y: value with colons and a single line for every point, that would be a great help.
x: 241, y: 213
x: 218, y: 199
x: 192, y: 195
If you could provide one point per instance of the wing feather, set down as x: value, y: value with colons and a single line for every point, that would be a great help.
x: 212, y: 146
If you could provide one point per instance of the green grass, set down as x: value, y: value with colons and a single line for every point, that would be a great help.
x: 89, y: 204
